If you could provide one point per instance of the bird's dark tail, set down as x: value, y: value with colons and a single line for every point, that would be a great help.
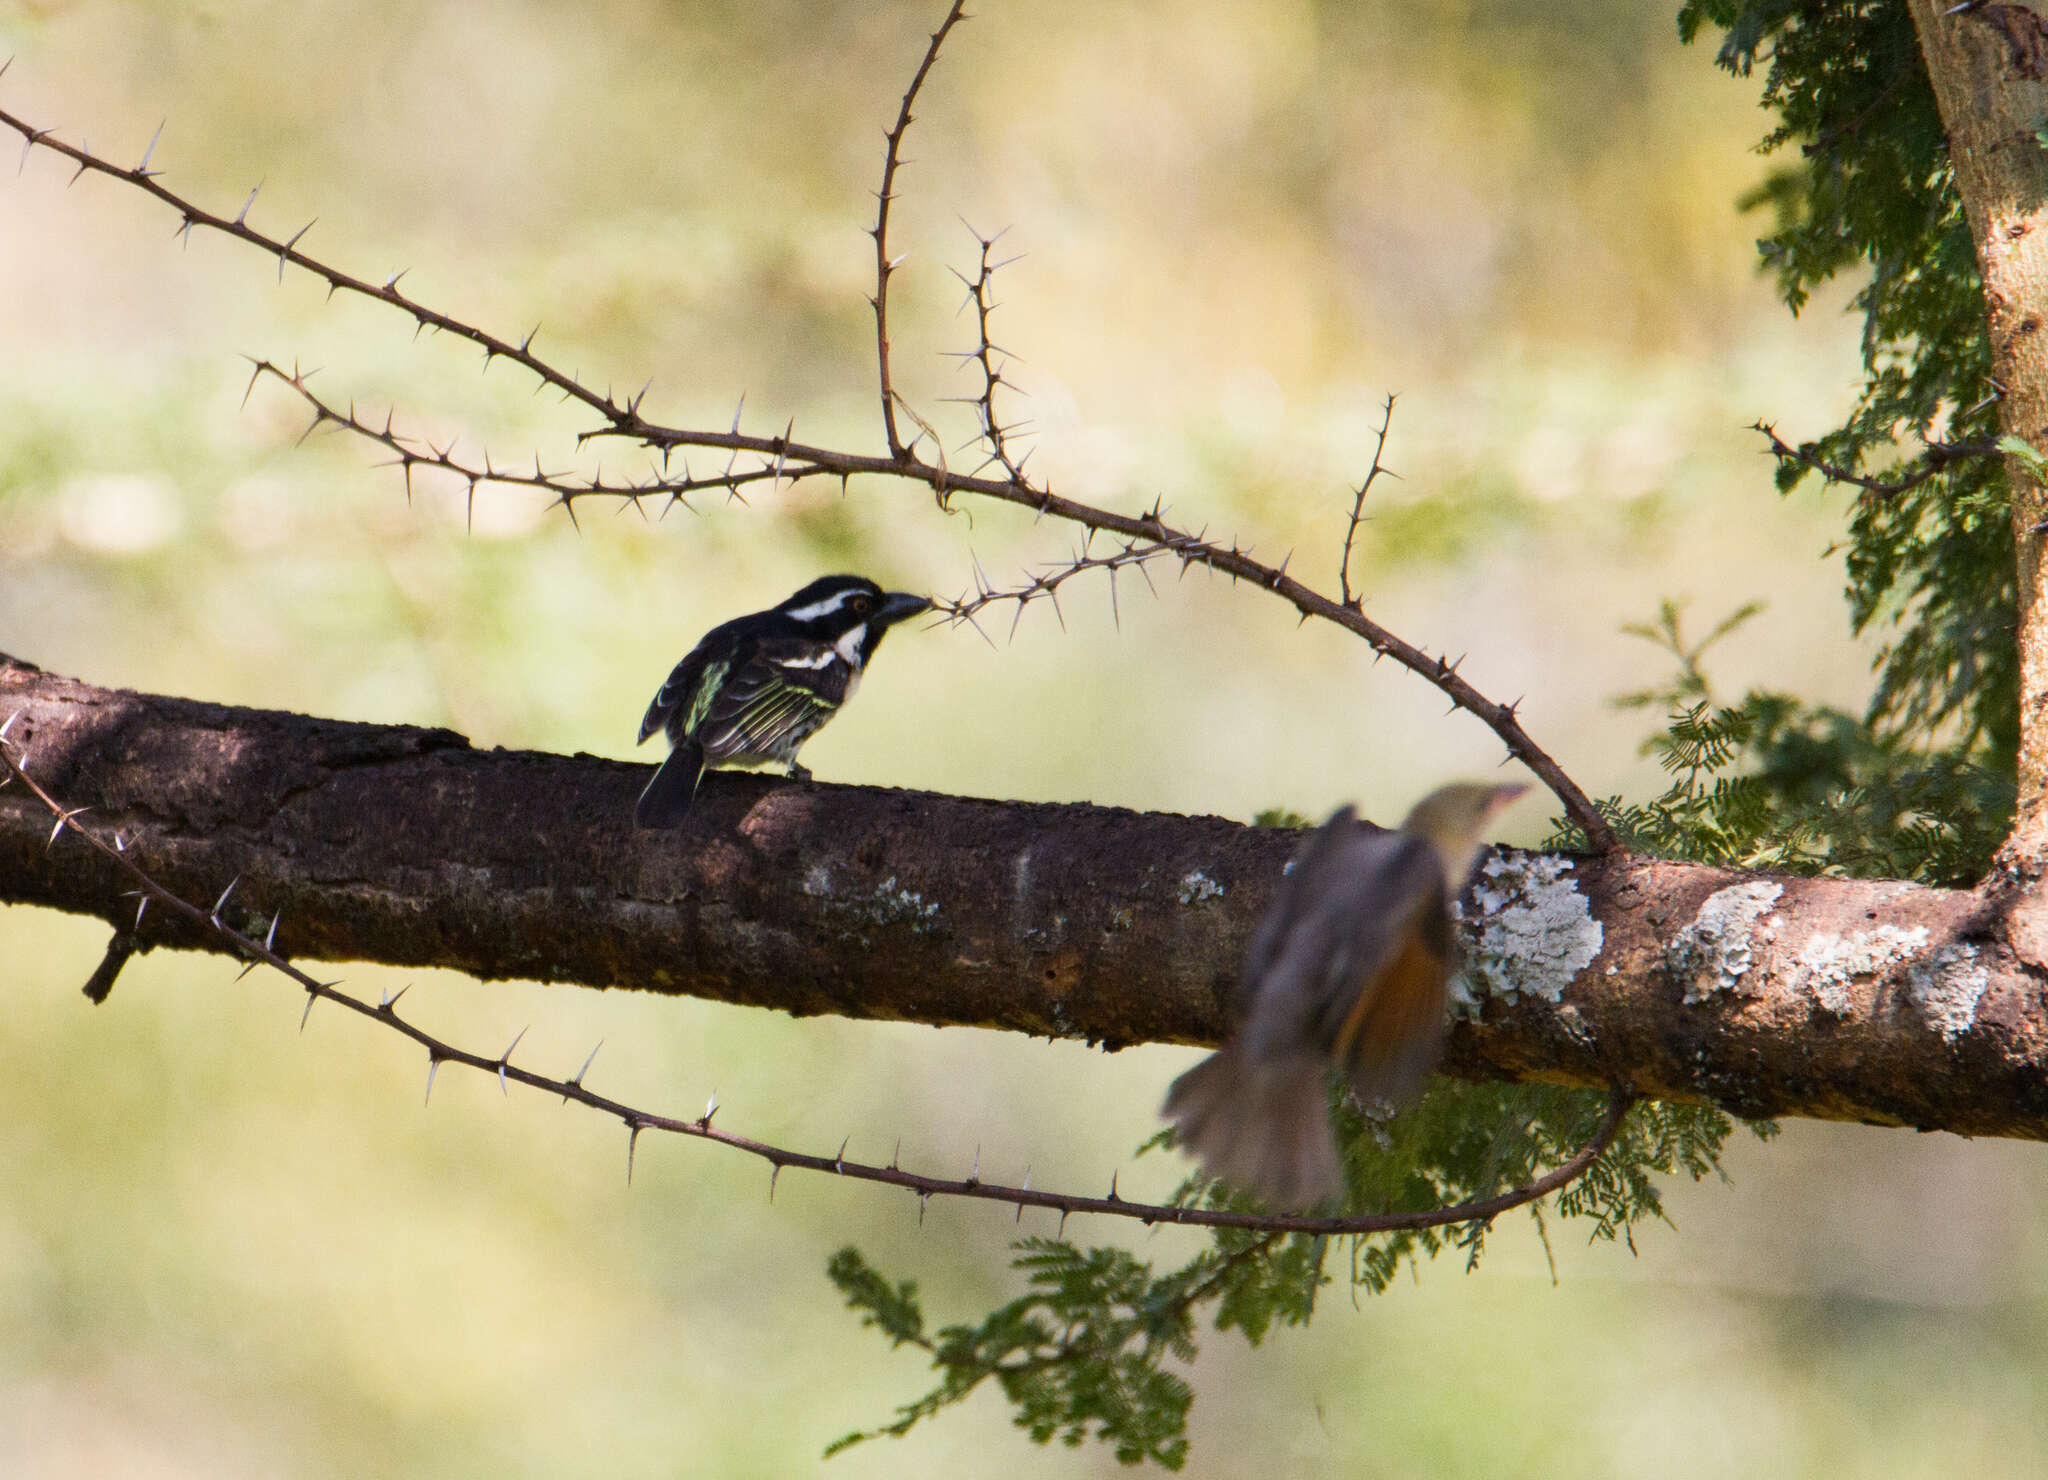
x: 1264, y: 1125
x: 669, y: 794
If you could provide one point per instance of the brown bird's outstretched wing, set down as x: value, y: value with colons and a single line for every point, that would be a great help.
x: 1339, y: 965
x: 1348, y: 964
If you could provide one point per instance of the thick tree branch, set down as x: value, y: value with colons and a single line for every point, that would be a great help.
x: 439, y: 1051
x: 263, y: 952
x: 1834, y: 998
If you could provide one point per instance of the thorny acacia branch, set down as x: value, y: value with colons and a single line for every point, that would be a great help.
x: 1938, y: 457
x: 885, y: 266
x: 1358, y: 504
x: 263, y: 952
x: 1128, y: 555
x: 410, y: 454
x: 789, y: 459
x: 995, y: 433
x: 287, y: 253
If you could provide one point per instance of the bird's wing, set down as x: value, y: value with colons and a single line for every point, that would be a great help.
x: 1340, y: 923
x: 1311, y: 861
x: 682, y: 691
x: 780, y: 691
x: 1393, y: 1034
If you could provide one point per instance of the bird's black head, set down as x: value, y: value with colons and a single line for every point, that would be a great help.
x: 850, y: 613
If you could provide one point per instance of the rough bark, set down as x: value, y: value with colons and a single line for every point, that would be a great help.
x: 1842, y: 999
x: 1989, y: 68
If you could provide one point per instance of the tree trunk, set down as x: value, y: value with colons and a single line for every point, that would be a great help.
x: 1989, y: 68
x: 1842, y: 999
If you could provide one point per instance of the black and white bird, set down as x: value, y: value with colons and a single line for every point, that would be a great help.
x: 757, y: 687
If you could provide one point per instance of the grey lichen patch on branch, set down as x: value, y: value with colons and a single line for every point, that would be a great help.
x: 1716, y: 951
x: 1197, y: 887
x: 891, y: 903
x: 896, y: 905
x: 1829, y: 965
x: 1946, y: 986
x: 1529, y: 932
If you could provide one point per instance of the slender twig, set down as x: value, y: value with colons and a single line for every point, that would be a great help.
x: 1937, y: 460
x: 409, y: 454
x: 1128, y: 555
x: 636, y: 1121
x: 286, y: 251
x: 1344, y: 592
x: 885, y: 266
x: 995, y: 433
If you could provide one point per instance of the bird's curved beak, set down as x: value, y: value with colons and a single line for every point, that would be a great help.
x: 896, y: 605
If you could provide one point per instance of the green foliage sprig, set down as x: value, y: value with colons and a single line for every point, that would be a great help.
x: 1872, y: 191
x: 1773, y: 782
x: 1088, y: 1351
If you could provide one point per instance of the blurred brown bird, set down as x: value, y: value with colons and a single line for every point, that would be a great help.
x: 1348, y: 967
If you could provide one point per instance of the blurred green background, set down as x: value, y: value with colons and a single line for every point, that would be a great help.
x: 227, y: 1249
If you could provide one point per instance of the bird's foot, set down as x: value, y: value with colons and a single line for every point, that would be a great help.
x: 799, y: 773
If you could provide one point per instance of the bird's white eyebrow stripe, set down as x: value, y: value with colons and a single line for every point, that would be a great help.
x: 823, y: 607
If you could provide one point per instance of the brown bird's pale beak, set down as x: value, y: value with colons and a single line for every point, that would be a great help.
x: 1506, y: 796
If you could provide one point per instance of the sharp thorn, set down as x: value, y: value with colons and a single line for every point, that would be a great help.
x: 505, y: 1059
x: 577, y: 1082
x: 284, y: 255
x: 143, y: 168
